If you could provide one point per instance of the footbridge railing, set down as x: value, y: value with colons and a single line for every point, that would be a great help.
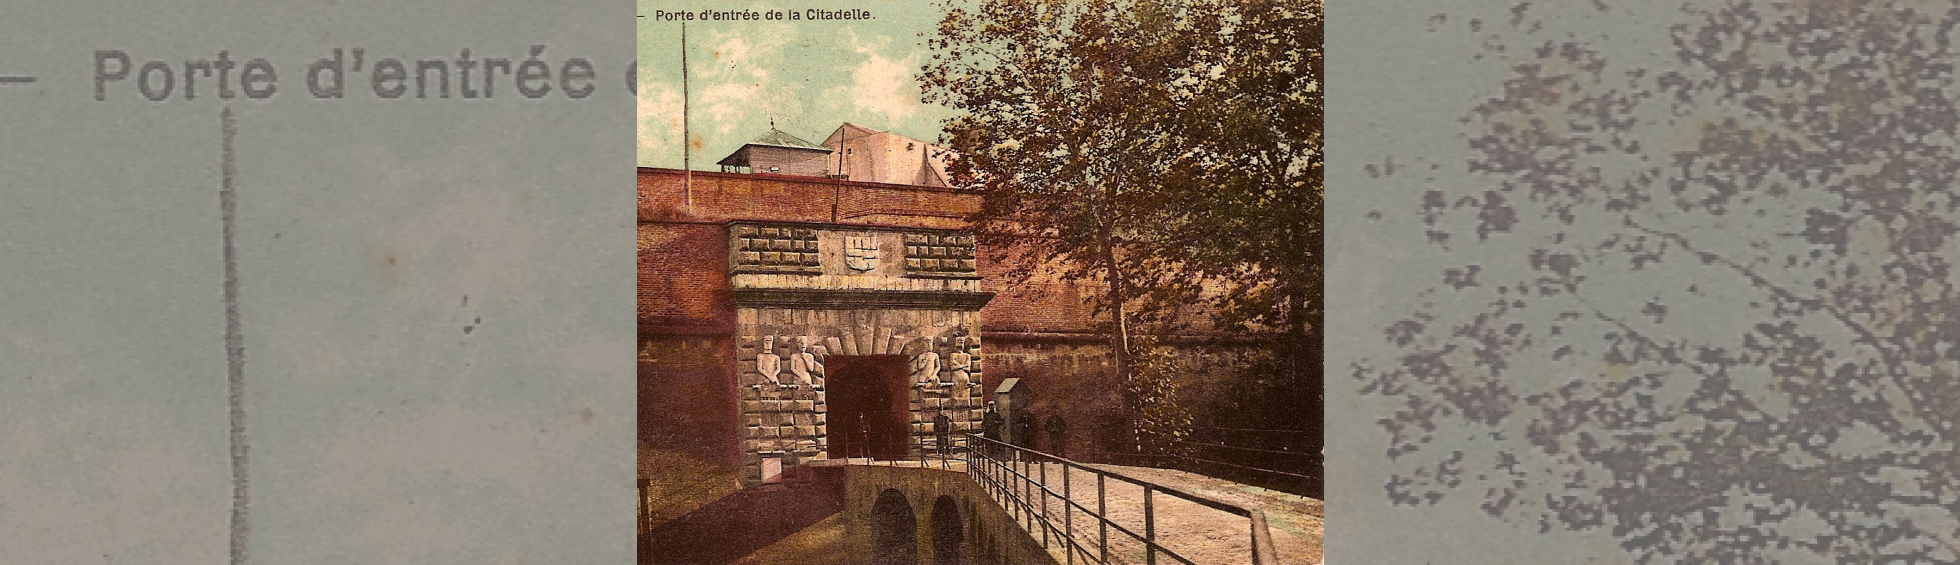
x: 1024, y: 482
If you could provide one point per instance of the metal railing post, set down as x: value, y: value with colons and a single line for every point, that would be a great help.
x: 986, y: 463
x: 1021, y: 489
x: 1027, y: 491
x: 993, y: 474
x: 1044, y: 502
x: 1068, y: 517
x: 1020, y: 507
x: 1102, y: 519
x: 1149, y: 527
x: 1010, y: 486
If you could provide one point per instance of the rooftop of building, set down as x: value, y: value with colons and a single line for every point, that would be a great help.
x: 775, y: 138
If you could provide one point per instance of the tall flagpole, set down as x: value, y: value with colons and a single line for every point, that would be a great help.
x: 687, y: 149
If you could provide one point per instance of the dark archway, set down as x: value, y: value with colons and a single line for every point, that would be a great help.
x: 948, y: 539
x: 894, y: 530
x: 870, y: 411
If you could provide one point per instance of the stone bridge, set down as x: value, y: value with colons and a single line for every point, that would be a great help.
x: 935, y: 512
x: 906, y: 515
x: 849, y: 514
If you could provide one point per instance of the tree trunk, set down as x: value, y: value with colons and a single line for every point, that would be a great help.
x: 1121, y: 344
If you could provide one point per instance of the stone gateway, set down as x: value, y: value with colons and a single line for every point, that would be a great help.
x: 795, y: 285
x: 823, y: 301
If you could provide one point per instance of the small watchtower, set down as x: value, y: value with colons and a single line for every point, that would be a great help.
x: 779, y: 153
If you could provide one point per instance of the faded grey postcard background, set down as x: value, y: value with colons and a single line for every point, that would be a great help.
x: 1643, y: 282
x: 434, y: 294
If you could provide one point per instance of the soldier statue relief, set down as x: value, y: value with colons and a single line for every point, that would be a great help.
x: 925, y: 366
x: 767, y: 363
x: 805, y: 366
x: 960, y: 362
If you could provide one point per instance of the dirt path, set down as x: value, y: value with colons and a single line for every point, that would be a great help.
x: 1195, y: 532
x: 1296, y: 522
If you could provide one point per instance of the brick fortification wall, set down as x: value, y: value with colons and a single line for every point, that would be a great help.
x: 720, y: 197
x: 685, y: 326
x: 1042, y: 332
x: 688, y: 377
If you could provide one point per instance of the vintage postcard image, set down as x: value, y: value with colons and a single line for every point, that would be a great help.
x: 980, y: 281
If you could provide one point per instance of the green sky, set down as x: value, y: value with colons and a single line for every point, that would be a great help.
x: 810, y: 76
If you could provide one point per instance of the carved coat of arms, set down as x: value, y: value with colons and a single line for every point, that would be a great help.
x: 861, y: 253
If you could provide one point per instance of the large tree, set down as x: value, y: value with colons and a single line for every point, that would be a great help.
x: 1707, y: 307
x: 1167, y: 148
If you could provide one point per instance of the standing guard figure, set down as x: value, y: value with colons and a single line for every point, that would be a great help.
x: 864, y: 437
x: 990, y: 424
x: 1058, y: 435
x: 942, y: 431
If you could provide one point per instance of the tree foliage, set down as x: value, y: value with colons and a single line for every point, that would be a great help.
x: 1167, y: 148
x: 1713, y: 308
x: 1162, y: 420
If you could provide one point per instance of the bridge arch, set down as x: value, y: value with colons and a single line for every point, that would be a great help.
x: 948, y: 533
x: 951, y: 520
x: 894, y: 530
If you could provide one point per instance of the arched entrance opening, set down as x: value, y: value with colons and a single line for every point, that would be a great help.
x: 948, y: 541
x: 894, y: 530
x: 869, y: 410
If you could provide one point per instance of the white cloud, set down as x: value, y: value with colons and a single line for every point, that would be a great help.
x: 731, y: 76
x: 880, y: 85
x: 743, y: 77
x: 659, y: 122
x: 727, y: 103
x: 739, y: 78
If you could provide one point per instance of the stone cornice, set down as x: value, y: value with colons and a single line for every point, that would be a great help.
x: 836, y: 226
x: 855, y: 299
